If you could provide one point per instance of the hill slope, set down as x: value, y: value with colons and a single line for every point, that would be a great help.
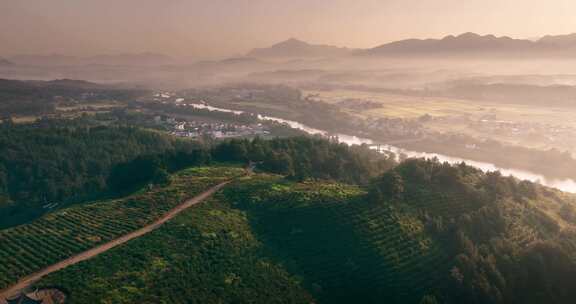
x: 59, y: 235
x: 206, y: 255
x: 422, y: 233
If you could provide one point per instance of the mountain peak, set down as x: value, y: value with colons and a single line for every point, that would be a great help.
x: 469, y: 35
x: 292, y: 42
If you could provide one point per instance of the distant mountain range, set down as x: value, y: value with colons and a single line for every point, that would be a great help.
x: 464, y: 44
x: 470, y: 43
x: 294, y: 48
x: 119, y: 59
x: 558, y: 41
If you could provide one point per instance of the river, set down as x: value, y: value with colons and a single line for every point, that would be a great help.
x: 567, y: 185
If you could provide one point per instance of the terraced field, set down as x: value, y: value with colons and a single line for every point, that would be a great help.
x: 344, y: 247
x: 56, y: 236
x: 264, y: 235
x: 267, y: 239
x: 207, y: 254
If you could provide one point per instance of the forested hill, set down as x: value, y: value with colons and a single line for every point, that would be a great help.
x: 506, y: 241
x: 47, y: 166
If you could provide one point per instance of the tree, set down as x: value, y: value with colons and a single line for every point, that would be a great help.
x: 391, y: 185
x: 279, y: 163
x: 161, y: 177
x: 128, y: 176
x: 231, y: 151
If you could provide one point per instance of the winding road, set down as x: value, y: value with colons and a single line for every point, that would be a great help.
x: 31, y: 279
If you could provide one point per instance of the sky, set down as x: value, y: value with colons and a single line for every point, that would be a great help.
x: 218, y: 28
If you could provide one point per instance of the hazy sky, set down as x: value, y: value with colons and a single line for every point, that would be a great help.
x: 228, y: 27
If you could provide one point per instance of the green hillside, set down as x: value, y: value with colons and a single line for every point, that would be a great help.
x: 59, y: 235
x: 344, y: 247
x: 424, y: 232
x: 208, y: 254
x: 507, y: 241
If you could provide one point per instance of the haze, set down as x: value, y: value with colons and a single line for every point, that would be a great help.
x: 227, y: 27
x: 288, y: 151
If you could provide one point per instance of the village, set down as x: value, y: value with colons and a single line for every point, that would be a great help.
x: 204, y: 129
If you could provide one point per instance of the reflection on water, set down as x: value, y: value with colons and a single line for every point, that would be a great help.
x: 567, y: 185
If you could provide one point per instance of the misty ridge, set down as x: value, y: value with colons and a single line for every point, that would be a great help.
x: 467, y: 44
x: 397, y: 64
x: 118, y: 59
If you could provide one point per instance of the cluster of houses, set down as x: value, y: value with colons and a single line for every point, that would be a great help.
x: 196, y: 129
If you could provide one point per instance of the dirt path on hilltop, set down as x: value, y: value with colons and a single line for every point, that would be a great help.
x: 31, y: 279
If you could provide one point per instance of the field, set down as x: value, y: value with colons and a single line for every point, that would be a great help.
x: 455, y: 116
x: 95, y: 106
x: 403, y: 106
x: 28, y: 248
x: 70, y: 111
